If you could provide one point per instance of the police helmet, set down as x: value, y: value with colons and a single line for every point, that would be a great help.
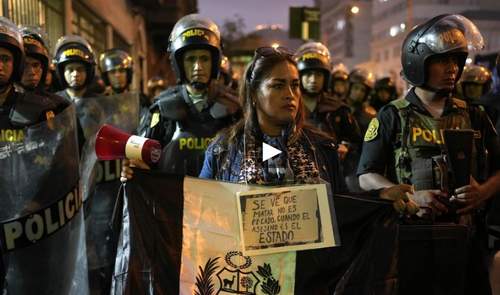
x: 340, y: 75
x: 35, y: 46
x: 478, y: 75
x: 11, y: 39
x: 364, y: 77
x: 314, y: 56
x: 194, y: 32
x: 385, y: 83
x: 74, y: 48
x: 114, y: 59
x: 156, y: 82
x: 443, y: 34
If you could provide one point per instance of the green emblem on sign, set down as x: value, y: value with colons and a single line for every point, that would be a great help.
x: 372, y: 130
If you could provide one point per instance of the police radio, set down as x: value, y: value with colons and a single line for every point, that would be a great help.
x: 459, y: 151
x: 112, y: 143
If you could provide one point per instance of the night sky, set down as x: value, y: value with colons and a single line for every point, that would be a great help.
x: 254, y: 12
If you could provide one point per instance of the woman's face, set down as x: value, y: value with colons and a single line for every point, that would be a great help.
x: 278, y: 95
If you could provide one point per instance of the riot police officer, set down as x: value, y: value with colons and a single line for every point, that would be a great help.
x: 475, y: 82
x: 117, y: 69
x: 384, y: 92
x: 324, y: 111
x: 433, y: 56
x: 361, y: 83
x: 37, y: 66
x: 17, y: 109
x: 226, y: 74
x: 155, y: 86
x: 75, y: 67
x: 339, y: 82
x: 187, y: 116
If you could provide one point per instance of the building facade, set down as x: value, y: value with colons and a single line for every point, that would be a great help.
x: 106, y: 24
x: 346, y: 30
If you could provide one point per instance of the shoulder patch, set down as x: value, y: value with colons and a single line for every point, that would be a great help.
x: 372, y: 131
x: 155, y: 119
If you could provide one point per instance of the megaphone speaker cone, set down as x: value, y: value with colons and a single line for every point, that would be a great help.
x: 113, y: 143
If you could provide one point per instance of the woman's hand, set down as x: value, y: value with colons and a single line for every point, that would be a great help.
x: 127, y: 172
x: 472, y: 196
x: 342, y: 151
x: 430, y: 199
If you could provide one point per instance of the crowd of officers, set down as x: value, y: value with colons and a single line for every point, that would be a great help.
x: 350, y: 129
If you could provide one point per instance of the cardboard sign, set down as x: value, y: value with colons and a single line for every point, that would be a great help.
x: 285, y: 219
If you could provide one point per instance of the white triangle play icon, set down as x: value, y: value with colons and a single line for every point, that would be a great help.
x: 269, y: 151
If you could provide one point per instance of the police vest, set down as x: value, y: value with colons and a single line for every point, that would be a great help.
x: 185, y: 153
x: 420, y: 139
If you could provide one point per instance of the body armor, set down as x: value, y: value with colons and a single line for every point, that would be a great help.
x: 421, y: 144
x: 192, y: 131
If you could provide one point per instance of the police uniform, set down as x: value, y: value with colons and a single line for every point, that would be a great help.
x: 185, y: 123
x: 408, y: 130
x: 184, y: 128
x: 336, y: 120
x: 325, y: 111
x: 385, y: 83
x: 361, y: 110
x: 22, y: 110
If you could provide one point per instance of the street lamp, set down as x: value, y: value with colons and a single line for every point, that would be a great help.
x: 355, y: 9
x: 275, y: 45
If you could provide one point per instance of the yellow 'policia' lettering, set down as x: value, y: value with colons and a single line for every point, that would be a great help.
x: 311, y: 55
x: 73, y: 52
x: 194, y: 143
x: 431, y: 136
x: 193, y: 33
x: 11, y: 135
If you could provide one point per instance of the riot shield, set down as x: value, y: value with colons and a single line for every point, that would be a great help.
x: 101, y: 180
x: 120, y: 110
x: 42, y: 230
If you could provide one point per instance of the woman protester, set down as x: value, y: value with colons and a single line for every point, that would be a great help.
x: 273, y: 114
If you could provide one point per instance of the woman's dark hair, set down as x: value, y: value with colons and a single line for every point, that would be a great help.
x: 264, y: 60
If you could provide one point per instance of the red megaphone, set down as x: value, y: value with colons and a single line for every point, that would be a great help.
x: 112, y: 143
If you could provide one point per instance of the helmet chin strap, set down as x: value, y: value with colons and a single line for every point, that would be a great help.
x: 199, y: 85
x: 78, y: 88
x: 438, y: 92
x: 312, y: 93
x: 119, y: 89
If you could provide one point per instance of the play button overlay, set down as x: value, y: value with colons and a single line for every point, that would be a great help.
x: 269, y: 151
